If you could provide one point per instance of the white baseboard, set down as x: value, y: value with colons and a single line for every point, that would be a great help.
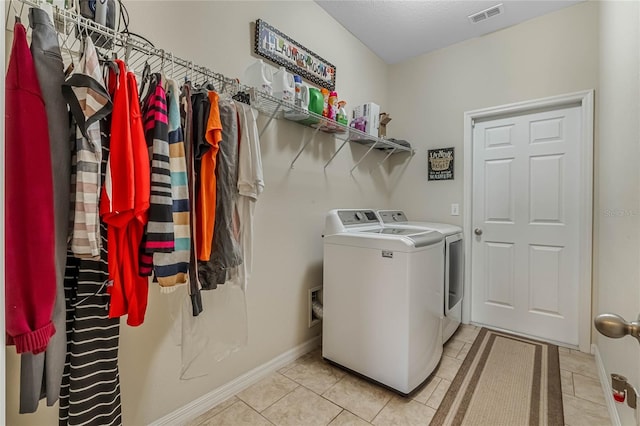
x: 206, y: 402
x: 606, y: 387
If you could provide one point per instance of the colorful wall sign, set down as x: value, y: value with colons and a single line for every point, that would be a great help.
x: 281, y: 49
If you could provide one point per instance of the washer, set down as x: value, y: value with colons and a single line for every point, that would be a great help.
x: 382, y: 294
x: 453, y: 265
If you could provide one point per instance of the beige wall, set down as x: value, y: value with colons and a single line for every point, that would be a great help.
x: 618, y: 209
x: 428, y: 95
x: 289, y: 216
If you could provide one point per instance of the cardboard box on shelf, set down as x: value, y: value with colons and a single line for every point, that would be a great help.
x: 384, y: 120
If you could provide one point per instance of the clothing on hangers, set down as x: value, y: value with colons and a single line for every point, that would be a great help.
x: 41, y: 374
x: 172, y: 268
x: 159, y: 231
x: 124, y: 200
x: 186, y: 120
x: 250, y: 185
x: 89, y: 102
x: 225, y: 253
x: 207, y: 136
x: 90, y: 392
x: 30, y: 292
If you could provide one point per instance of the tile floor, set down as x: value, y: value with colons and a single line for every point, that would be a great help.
x: 309, y: 391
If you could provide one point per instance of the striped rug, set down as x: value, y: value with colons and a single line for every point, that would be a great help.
x: 504, y: 380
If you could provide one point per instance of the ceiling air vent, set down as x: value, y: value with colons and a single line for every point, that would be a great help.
x: 486, y: 14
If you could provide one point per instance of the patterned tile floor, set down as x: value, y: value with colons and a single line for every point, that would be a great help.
x: 309, y: 391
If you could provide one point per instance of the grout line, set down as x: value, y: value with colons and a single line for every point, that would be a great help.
x: 336, y: 416
x: 278, y: 400
x: 221, y: 412
x: 260, y: 414
x: 351, y: 412
x: 380, y: 411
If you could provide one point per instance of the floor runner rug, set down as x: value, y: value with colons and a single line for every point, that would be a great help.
x: 504, y: 380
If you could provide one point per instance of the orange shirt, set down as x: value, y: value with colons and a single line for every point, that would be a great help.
x: 206, y: 203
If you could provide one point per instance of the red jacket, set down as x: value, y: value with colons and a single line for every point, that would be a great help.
x: 29, y: 245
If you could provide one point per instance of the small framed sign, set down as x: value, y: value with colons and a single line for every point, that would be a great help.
x: 440, y: 164
x: 283, y: 50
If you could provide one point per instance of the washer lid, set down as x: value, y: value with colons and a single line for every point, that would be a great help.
x: 416, y: 237
x: 397, y: 217
x: 394, y: 231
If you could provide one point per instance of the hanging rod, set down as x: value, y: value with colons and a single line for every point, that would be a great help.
x: 136, y: 52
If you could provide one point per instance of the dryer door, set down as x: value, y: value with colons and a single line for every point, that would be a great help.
x: 454, y: 273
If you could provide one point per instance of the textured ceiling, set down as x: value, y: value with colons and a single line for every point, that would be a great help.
x: 398, y: 29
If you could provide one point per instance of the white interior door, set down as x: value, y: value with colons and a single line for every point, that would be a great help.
x: 525, y: 206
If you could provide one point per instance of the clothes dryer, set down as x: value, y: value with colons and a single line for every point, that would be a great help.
x: 382, y: 298
x: 453, y: 265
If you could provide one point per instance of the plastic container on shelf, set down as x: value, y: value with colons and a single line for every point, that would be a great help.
x: 325, y: 102
x: 341, y: 115
x: 333, y: 105
x: 301, y: 102
x: 315, y: 105
x: 283, y: 85
x: 260, y: 76
x: 298, y: 91
x: 359, y: 123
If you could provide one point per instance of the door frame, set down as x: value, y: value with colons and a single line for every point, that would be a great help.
x: 585, y: 99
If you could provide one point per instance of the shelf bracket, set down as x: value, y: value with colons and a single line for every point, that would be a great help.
x: 387, y: 156
x: 271, y: 117
x: 373, y: 145
x: 313, y: 135
x: 338, y: 150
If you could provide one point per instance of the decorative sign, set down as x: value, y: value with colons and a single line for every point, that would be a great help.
x: 440, y: 164
x: 277, y: 47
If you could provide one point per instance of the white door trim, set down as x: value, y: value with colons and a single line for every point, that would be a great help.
x: 586, y: 101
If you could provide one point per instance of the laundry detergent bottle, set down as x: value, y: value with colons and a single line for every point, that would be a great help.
x: 284, y: 85
x: 300, y: 113
x: 315, y: 105
x: 302, y: 93
x: 316, y: 101
x: 260, y: 76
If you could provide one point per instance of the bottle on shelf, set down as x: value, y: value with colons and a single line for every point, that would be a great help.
x: 325, y: 107
x: 341, y: 115
x: 283, y: 85
x: 260, y: 76
x: 301, y: 102
x: 298, y: 90
x: 333, y: 105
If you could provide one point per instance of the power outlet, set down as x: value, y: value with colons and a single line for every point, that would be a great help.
x: 455, y: 209
x: 315, y: 294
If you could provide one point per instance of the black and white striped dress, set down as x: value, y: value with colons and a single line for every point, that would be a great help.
x: 90, y: 392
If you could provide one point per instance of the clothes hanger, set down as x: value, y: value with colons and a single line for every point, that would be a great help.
x: 146, y: 76
x: 172, y: 67
x: 65, y: 46
x: 17, y: 14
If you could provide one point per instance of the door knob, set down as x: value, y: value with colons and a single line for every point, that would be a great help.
x: 478, y: 231
x: 614, y: 326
